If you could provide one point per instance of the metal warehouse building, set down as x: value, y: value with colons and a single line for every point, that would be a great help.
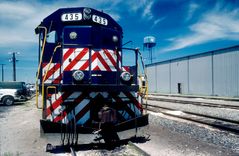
x: 213, y: 73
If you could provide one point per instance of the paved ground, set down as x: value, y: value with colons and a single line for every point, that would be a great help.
x: 19, y: 130
x: 20, y: 135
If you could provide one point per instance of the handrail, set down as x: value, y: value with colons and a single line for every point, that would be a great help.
x: 40, y: 62
x: 48, y: 67
x: 143, y: 65
x: 51, y: 87
x: 146, y: 79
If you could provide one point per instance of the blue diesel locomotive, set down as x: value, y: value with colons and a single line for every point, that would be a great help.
x: 81, y: 70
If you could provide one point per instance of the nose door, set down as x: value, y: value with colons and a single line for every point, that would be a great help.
x: 76, y: 53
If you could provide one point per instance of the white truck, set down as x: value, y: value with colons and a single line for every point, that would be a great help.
x: 11, y: 92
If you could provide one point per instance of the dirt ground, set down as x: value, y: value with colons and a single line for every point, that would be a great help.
x: 16, y: 140
x: 20, y: 136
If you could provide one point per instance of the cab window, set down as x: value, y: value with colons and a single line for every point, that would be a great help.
x: 51, y: 37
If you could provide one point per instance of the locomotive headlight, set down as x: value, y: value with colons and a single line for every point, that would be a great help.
x: 78, y: 75
x: 125, y: 76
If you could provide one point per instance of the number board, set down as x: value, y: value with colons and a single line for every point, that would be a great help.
x: 100, y: 20
x: 71, y: 17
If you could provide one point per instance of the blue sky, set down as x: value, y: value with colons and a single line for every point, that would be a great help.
x: 181, y: 27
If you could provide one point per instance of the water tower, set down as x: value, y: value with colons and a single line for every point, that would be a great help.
x: 149, y: 43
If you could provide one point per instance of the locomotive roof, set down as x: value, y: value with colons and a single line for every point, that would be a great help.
x: 54, y: 20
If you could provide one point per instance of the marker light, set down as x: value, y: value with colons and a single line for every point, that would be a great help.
x: 73, y: 35
x: 78, y: 75
x: 115, y: 39
x: 125, y: 76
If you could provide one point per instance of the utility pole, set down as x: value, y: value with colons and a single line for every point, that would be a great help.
x: 14, y: 66
x: 2, y: 72
x: 13, y: 59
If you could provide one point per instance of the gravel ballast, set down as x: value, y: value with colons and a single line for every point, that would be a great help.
x: 200, y: 132
x: 225, y: 113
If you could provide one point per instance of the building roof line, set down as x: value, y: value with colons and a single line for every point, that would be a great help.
x: 193, y: 55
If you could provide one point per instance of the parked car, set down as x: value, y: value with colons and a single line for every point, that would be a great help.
x: 31, y: 89
x: 12, y: 91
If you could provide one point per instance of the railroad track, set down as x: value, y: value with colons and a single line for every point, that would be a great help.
x: 215, y: 122
x: 198, y: 103
x: 139, y: 150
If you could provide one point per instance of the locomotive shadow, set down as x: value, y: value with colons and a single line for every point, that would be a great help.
x: 95, y: 146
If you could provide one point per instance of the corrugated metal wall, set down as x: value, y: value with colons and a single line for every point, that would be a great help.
x: 179, y: 70
x: 212, y: 73
x: 152, y: 78
x: 200, y: 74
x: 226, y: 73
x: 162, y: 77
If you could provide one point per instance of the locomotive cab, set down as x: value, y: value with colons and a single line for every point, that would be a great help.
x: 80, y: 70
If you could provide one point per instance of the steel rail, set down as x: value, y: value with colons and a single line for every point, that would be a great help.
x: 194, y: 103
x: 213, y: 124
x: 141, y: 151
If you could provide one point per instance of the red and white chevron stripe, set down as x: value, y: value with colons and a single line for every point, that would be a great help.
x: 78, y: 58
x: 53, y: 74
x: 126, y: 68
x: 53, y: 106
x: 75, y: 58
x: 103, y: 60
x: 57, y: 111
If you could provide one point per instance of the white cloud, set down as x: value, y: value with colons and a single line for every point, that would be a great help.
x: 19, y: 18
x: 215, y: 25
x: 135, y: 7
x: 147, y: 10
x: 115, y: 16
x: 157, y: 21
x: 15, y: 11
x: 191, y: 10
x: 18, y: 21
x: 143, y: 6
